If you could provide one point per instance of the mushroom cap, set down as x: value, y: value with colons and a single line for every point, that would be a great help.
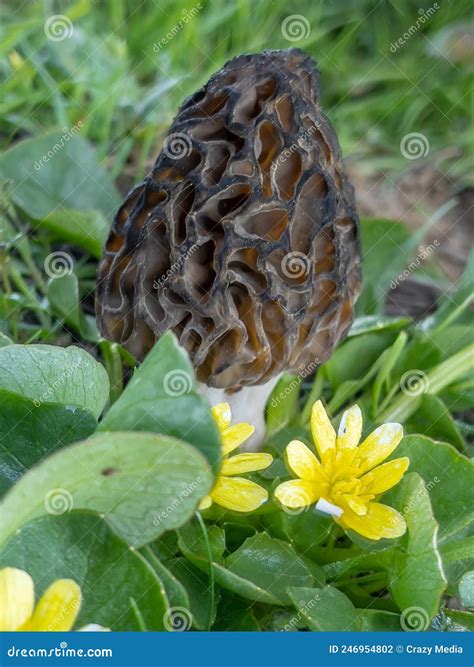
x: 243, y: 239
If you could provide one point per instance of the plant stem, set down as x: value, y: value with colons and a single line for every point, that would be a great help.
x: 211, y: 569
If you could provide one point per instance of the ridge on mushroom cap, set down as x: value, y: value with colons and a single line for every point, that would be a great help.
x: 244, y: 238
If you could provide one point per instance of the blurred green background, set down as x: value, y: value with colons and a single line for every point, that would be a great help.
x: 118, y: 73
x: 89, y: 88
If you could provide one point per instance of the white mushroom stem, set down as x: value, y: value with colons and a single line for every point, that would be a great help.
x: 247, y: 405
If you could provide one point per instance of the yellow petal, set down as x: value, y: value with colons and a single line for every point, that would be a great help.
x: 378, y: 445
x: 17, y: 598
x: 385, y: 476
x: 380, y: 521
x: 241, y: 463
x: 303, y: 462
x: 57, y: 609
x: 239, y: 494
x: 205, y: 503
x: 222, y: 415
x: 234, y: 436
x: 297, y: 493
x: 356, y: 504
x: 350, y: 428
x: 324, y: 436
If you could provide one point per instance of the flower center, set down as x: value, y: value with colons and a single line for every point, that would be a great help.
x: 344, y: 488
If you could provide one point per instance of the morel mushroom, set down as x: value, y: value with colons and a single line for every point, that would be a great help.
x: 243, y: 240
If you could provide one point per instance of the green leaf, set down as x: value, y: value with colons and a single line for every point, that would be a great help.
x: 175, y: 591
x: 4, y: 340
x: 49, y: 374
x: 242, y: 586
x: 282, y: 402
x: 449, y: 477
x: 307, y: 529
x: 453, y: 552
x: 143, y: 484
x: 438, y: 378
x: 355, y: 356
x: 82, y: 547
x: 270, y: 564
x: 374, y: 323
x: 193, y: 545
x: 433, y: 418
x: 377, y: 620
x: 452, y: 339
x: 383, y: 256
x: 453, y: 304
x: 459, y: 620
x: 196, y: 584
x: 161, y: 397
x: 416, y: 577
x: 63, y: 296
x: 466, y: 590
x: 57, y: 180
x: 234, y: 615
x: 389, y: 359
x: 29, y: 432
x: 325, y: 609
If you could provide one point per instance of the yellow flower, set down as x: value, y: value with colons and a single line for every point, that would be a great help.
x: 347, y: 477
x: 236, y: 493
x: 56, y: 611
